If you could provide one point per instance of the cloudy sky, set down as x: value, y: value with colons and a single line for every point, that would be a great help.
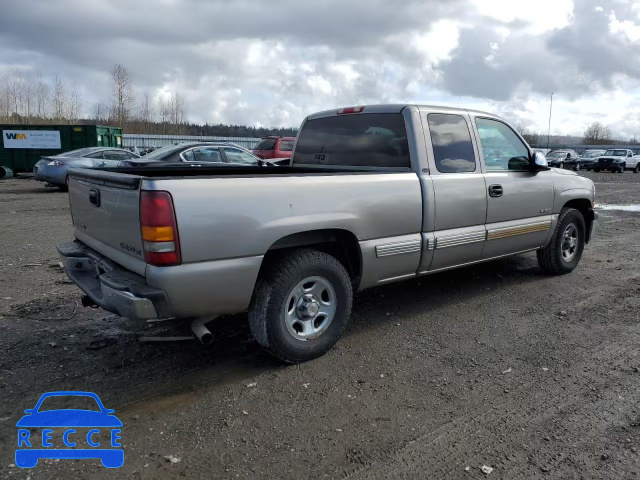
x: 272, y: 62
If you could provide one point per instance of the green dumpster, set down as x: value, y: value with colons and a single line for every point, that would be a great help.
x: 22, y: 146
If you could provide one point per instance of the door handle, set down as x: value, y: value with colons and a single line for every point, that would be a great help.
x: 495, y: 190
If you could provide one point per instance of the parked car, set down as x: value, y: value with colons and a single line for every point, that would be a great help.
x: 275, y: 147
x: 562, y: 158
x: 366, y: 202
x: 55, y: 169
x: 617, y: 160
x: 195, y: 153
x: 587, y: 158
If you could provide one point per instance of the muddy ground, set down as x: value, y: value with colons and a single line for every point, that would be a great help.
x: 494, y: 365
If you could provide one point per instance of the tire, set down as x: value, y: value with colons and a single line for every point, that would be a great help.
x: 551, y: 258
x: 561, y: 165
x: 588, y: 169
x: 637, y: 169
x: 623, y: 168
x: 65, y: 187
x: 577, y: 167
x: 281, y: 290
x: 597, y: 170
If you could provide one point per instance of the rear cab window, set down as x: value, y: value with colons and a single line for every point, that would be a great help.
x: 359, y: 140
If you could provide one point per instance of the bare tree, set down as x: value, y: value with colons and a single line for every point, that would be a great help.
x: 100, y: 112
x: 164, y: 108
x: 73, y: 106
x: 522, y: 128
x: 59, y: 100
x: 146, y: 111
x: 597, y: 134
x: 122, y: 96
x: 41, y: 98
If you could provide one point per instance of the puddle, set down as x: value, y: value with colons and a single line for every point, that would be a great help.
x: 621, y: 208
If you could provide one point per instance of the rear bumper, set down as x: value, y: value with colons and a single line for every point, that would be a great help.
x: 113, y: 288
x: 46, y: 173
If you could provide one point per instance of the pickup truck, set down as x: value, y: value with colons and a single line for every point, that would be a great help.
x: 617, y: 160
x: 373, y: 195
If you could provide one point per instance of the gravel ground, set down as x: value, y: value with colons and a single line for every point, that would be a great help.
x: 494, y: 365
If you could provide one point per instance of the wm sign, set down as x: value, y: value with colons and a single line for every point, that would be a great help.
x: 37, y: 139
x: 16, y: 136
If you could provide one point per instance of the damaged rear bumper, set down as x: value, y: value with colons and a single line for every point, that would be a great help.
x: 110, y: 286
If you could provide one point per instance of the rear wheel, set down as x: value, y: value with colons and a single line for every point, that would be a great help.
x: 301, y: 305
x: 65, y: 187
x: 637, y: 169
x: 564, y: 251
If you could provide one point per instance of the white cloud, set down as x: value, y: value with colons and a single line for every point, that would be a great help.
x: 270, y: 64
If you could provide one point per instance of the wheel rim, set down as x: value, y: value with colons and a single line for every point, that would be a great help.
x: 569, y: 242
x: 561, y: 165
x: 577, y: 167
x: 309, y: 308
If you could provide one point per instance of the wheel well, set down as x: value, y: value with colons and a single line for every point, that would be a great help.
x: 342, y: 244
x: 584, y: 207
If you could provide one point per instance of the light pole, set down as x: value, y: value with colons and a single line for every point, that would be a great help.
x: 549, y: 130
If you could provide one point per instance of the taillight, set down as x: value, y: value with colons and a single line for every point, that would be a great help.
x: 345, y: 111
x: 159, y: 229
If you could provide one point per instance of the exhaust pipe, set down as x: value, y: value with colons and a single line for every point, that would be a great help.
x: 201, y: 332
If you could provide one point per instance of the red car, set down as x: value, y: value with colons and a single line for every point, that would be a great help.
x: 274, y: 147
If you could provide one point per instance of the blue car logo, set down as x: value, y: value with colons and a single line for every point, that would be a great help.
x: 72, y: 423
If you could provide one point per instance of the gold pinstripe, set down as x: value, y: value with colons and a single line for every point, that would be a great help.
x: 518, y: 230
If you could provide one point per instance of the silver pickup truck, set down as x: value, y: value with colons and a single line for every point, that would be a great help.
x: 372, y: 195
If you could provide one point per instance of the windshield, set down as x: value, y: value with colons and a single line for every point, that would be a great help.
x: 557, y: 154
x: 164, y: 152
x: 65, y: 402
x: 616, y: 153
x: 592, y: 153
x: 78, y: 152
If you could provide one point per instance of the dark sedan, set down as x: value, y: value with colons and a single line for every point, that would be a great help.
x: 197, y: 153
x: 53, y: 169
x: 562, y: 158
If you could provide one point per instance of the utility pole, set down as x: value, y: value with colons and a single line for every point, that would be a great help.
x: 549, y: 130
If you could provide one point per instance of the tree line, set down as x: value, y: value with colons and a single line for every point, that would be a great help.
x: 31, y: 99
x: 595, y: 134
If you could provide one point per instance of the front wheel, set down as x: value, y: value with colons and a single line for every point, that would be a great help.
x: 561, y: 165
x: 301, y: 305
x: 623, y: 168
x: 564, y: 251
x: 577, y: 167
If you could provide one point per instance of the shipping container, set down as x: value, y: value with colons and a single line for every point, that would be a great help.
x: 22, y: 146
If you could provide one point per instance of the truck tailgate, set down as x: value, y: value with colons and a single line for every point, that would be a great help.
x: 105, y: 208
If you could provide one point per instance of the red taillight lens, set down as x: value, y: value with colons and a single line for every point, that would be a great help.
x: 159, y: 229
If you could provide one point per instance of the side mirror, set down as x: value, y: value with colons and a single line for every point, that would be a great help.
x: 29, y: 411
x: 539, y: 162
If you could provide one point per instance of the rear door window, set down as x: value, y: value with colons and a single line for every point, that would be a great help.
x: 362, y: 140
x: 266, y: 144
x: 452, y: 147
